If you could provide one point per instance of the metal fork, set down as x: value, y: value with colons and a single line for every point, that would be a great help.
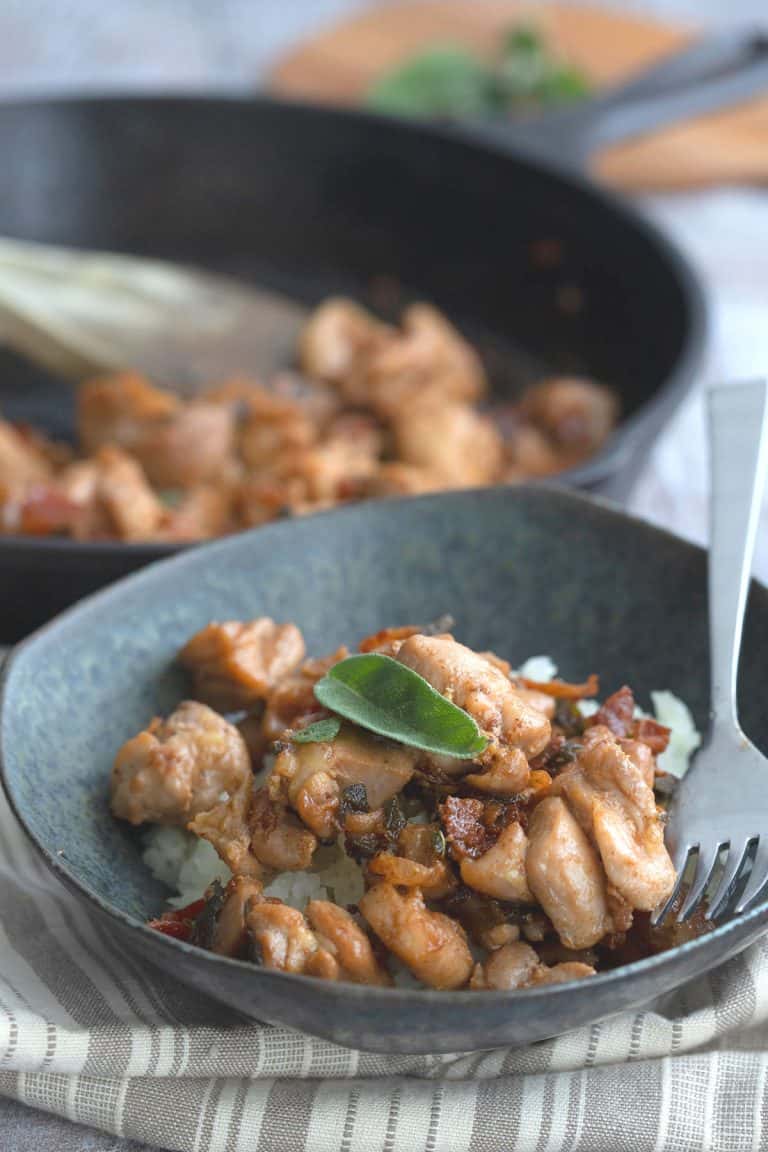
x: 722, y: 802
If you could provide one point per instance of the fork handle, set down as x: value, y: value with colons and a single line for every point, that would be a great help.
x: 738, y: 426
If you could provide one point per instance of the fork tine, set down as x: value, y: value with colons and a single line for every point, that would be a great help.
x: 723, y: 897
x: 705, y: 864
x: 758, y: 876
x: 681, y: 857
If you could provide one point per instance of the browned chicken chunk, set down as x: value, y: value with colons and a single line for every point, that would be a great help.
x: 517, y: 965
x: 340, y: 935
x: 565, y: 875
x: 609, y: 793
x: 449, y: 440
x: 312, y: 776
x: 179, y: 767
x: 282, y: 939
x: 279, y: 840
x: 178, y: 445
x: 431, y: 945
x: 481, y: 689
x: 229, y: 936
x: 578, y: 415
x: 21, y: 461
x: 124, y: 505
x: 336, y: 336
x: 500, y: 872
x: 235, y: 664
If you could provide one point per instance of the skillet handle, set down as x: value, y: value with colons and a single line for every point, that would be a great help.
x: 714, y: 72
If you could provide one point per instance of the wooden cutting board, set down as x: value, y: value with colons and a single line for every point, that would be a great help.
x: 728, y: 148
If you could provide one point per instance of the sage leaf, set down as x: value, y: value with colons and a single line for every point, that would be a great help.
x: 384, y: 696
x: 318, y: 732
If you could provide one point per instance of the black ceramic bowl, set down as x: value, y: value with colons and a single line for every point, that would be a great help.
x: 524, y: 571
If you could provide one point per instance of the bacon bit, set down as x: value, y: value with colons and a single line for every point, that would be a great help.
x: 462, y: 820
x: 46, y: 512
x: 562, y: 690
x: 180, y: 923
x: 472, y: 826
x: 387, y: 636
x: 650, y: 732
x: 617, y: 712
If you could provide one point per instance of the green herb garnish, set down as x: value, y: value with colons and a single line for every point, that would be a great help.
x: 386, y: 697
x: 450, y: 82
x: 318, y: 732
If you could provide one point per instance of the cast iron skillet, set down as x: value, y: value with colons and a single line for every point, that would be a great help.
x: 524, y: 571
x: 313, y: 200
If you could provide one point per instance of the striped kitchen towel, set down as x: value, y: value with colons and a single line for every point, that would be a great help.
x: 89, y: 1034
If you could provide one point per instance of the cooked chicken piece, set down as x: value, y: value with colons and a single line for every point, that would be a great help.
x: 518, y: 966
x: 283, y: 940
x: 427, y: 357
x: 191, y: 447
x: 577, y: 414
x: 611, y: 797
x: 498, y: 936
x: 313, y: 775
x: 448, y: 439
x: 237, y: 663
x: 279, y: 840
x: 124, y: 505
x: 395, y: 479
x: 179, y: 445
x: 274, y: 425
x: 642, y: 758
x: 292, y: 703
x: 227, y: 827
x: 432, y: 945
x: 336, y: 336
x: 204, y: 512
x: 530, y: 452
x: 264, y: 497
x: 338, y: 933
x: 538, y: 700
x: 504, y: 776
x: 565, y: 875
x: 482, y: 690
x: 500, y: 872
x: 116, y: 409
x: 417, y: 863
x: 333, y: 467
x: 229, y: 934
x: 21, y: 460
x: 179, y: 767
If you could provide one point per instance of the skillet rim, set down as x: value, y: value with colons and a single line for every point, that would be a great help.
x: 580, y: 503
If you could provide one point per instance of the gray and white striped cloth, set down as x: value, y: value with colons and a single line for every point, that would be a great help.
x: 89, y: 1034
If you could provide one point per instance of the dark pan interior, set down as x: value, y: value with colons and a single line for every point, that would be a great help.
x: 543, y: 272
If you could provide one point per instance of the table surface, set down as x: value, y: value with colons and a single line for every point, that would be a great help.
x: 60, y: 45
